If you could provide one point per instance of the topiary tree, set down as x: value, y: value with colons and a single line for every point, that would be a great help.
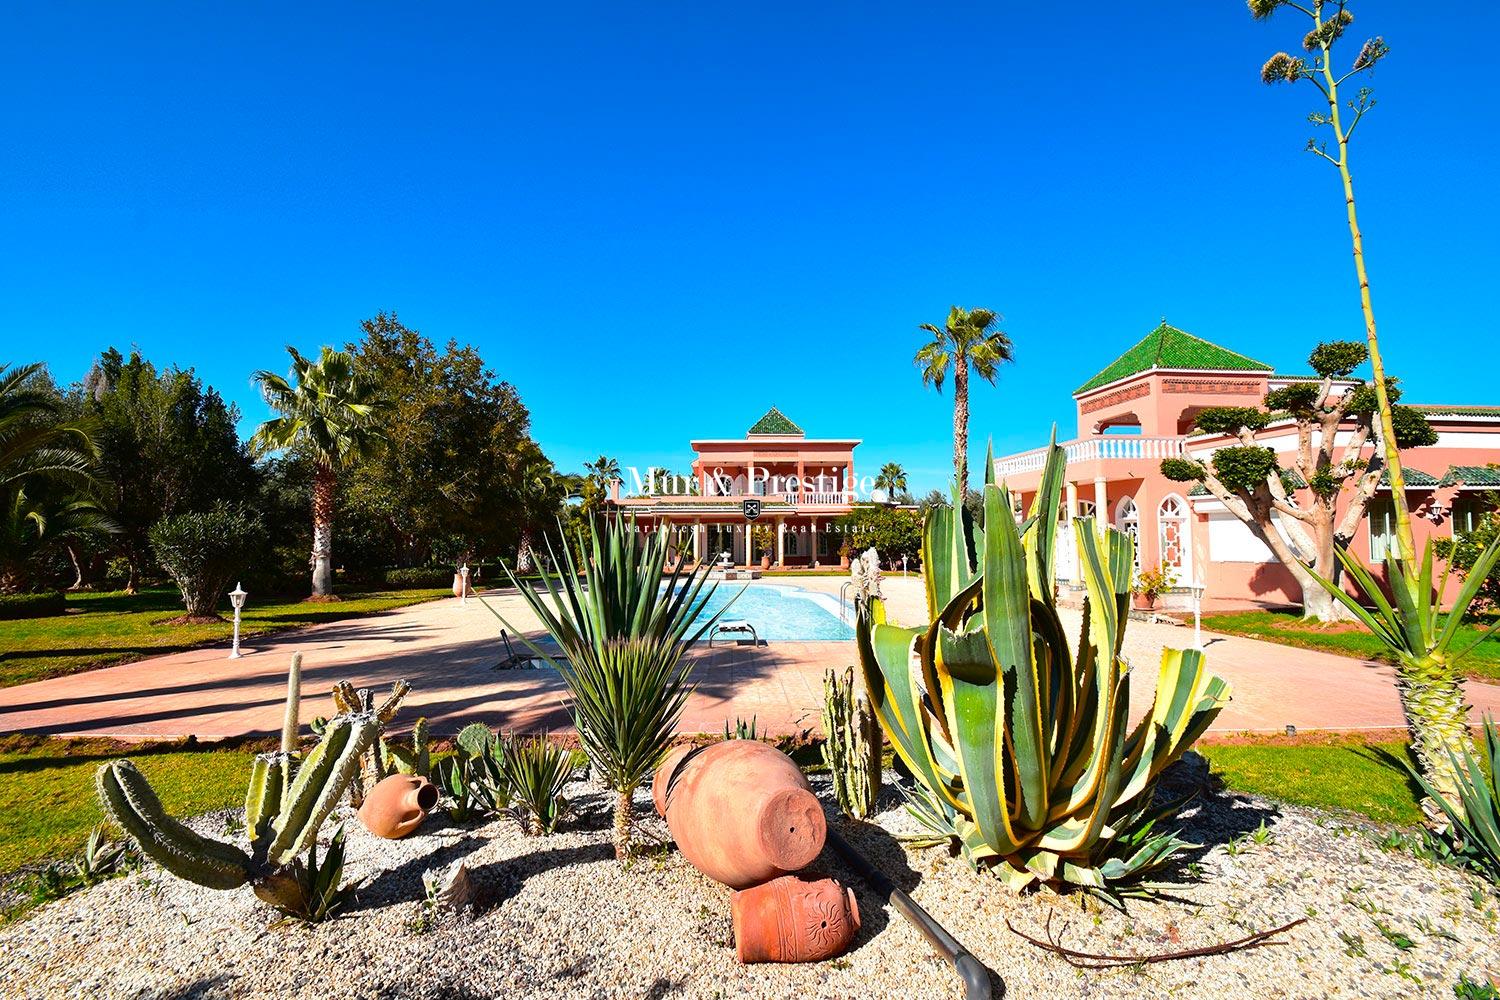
x: 204, y: 550
x: 1301, y: 512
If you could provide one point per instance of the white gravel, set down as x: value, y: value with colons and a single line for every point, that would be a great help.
x: 560, y: 918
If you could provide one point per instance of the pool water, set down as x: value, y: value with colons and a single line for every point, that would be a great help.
x: 780, y: 614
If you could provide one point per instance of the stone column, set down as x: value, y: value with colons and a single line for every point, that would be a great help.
x: 1101, y: 500
x: 812, y: 542
x: 697, y: 540
x: 780, y: 560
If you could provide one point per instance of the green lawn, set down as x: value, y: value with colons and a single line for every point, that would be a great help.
x: 1289, y: 629
x: 1348, y: 775
x: 48, y: 790
x: 101, y: 629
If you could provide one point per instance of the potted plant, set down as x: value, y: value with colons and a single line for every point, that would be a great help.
x: 1150, y: 585
x: 765, y: 540
x: 846, y: 552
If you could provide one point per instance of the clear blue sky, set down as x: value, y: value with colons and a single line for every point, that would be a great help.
x: 659, y: 219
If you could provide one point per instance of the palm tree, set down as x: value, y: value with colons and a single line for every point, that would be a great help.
x: 333, y: 413
x: 29, y: 527
x: 603, y: 470
x: 968, y: 339
x: 892, y: 479
x: 36, y: 442
x: 542, y: 490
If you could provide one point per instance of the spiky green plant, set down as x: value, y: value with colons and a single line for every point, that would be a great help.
x: 314, y: 891
x: 535, y: 771
x: 414, y: 759
x: 851, y: 744
x: 1473, y: 807
x: 1429, y: 664
x: 623, y: 622
x: 101, y: 858
x: 742, y: 730
x: 286, y: 803
x: 1021, y: 751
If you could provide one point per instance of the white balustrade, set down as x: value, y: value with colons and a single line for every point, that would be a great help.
x: 1099, y: 448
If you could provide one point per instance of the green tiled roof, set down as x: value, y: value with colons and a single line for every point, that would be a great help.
x: 1472, y: 475
x: 1438, y: 410
x: 774, y: 422
x: 1415, y: 478
x: 1169, y: 347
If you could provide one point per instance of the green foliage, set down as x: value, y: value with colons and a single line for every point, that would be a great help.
x: 1462, y: 553
x: 1152, y: 583
x: 742, y: 730
x: 894, y: 532
x: 417, y: 577
x: 1338, y: 358
x: 852, y: 745
x: 415, y: 758
x: 1230, y: 419
x: 535, y: 772
x: 1362, y: 400
x: 974, y: 713
x: 1473, y: 828
x: 1300, y: 399
x: 1182, y: 470
x: 203, y: 551
x: 1412, y: 428
x: 623, y: 623
x: 1244, y: 468
x: 13, y: 606
x: 1468, y: 989
x: 311, y: 892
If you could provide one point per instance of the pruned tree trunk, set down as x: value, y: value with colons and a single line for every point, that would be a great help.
x: 623, y: 806
x: 322, y: 542
x: 524, y: 560
x: 961, y: 426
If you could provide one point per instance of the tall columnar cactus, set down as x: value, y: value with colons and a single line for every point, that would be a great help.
x: 285, y: 804
x: 415, y: 759
x: 350, y: 701
x: 1021, y: 751
x: 851, y: 745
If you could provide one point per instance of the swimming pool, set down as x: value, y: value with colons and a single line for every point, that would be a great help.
x: 780, y: 614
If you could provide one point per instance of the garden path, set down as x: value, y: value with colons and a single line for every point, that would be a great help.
x: 446, y: 650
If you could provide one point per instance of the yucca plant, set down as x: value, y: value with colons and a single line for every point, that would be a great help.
x: 535, y: 772
x: 1429, y: 663
x: 623, y: 622
x: 1473, y: 807
x: 1021, y: 751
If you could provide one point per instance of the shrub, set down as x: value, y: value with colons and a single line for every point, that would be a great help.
x: 203, y: 551
x: 32, y: 605
x: 418, y: 577
x: 1463, y: 551
x: 895, y: 532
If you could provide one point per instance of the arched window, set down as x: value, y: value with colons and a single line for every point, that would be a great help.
x: 1128, y: 520
x: 1174, y: 542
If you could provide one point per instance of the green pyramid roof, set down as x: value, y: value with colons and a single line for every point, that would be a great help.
x: 774, y: 422
x: 1169, y: 347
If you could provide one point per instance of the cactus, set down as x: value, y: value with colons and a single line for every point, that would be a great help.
x: 415, y: 759
x: 475, y: 740
x: 285, y: 804
x: 852, y: 745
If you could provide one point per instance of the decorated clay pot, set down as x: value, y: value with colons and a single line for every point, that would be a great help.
x: 740, y: 811
x: 794, y: 918
x: 397, y: 805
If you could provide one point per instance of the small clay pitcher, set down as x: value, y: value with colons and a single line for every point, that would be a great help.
x: 740, y: 811
x: 397, y: 805
x: 794, y: 918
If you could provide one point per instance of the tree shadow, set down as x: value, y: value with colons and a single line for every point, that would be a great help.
x: 499, y: 881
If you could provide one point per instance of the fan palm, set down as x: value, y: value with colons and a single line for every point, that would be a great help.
x: 333, y: 413
x: 968, y: 339
x: 623, y: 623
x: 892, y: 479
x: 603, y: 471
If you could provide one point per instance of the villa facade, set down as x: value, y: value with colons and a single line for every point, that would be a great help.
x: 775, y: 476
x: 1141, y: 409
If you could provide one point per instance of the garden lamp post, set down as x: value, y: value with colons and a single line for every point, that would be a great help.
x: 463, y: 584
x: 1197, y: 587
x: 237, y: 599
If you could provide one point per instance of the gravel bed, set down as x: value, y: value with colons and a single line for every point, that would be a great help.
x: 558, y: 917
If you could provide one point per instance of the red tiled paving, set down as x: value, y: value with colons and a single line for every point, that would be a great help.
x: 446, y: 650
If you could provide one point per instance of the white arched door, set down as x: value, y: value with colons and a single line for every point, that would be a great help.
x: 1128, y: 520
x: 1173, y: 538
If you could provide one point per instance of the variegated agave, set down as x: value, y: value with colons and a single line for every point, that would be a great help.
x: 1022, y: 753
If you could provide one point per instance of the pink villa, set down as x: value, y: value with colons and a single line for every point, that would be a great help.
x: 1140, y: 409
x: 774, y: 476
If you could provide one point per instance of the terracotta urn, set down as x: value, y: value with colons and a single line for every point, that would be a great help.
x: 740, y: 811
x: 794, y: 918
x: 397, y: 805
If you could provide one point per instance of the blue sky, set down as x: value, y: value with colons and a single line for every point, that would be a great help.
x: 657, y: 220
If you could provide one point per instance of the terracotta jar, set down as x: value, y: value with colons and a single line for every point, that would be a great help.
x: 794, y: 918
x: 397, y: 805
x: 740, y: 811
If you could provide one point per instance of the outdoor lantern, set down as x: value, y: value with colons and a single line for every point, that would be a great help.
x: 237, y: 601
x: 1198, y: 587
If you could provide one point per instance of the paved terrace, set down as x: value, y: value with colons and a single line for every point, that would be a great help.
x: 446, y: 650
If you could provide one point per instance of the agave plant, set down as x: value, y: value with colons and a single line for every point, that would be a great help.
x: 1429, y: 665
x: 535, y: 770
x: 623, y: 622
x: 314, y: 891
x: 1473, y: 807
x: 1021, y: 750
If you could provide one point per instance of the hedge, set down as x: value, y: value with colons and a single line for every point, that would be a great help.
x: 32, y: 605
x: 418, y: 577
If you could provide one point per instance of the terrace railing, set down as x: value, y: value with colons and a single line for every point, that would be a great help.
x: 1090, y: 449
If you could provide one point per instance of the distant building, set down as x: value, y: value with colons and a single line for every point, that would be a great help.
x: 1141, y: 409
x: 775, y: 476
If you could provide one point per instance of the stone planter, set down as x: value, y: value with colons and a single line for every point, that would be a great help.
x: 794, y: 918
x: 740, y: 811
x: 397, y: 805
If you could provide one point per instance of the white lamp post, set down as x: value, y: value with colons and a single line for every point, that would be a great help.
x: 1197, y: 587
x: 237, y: 599
x: 463, y: 585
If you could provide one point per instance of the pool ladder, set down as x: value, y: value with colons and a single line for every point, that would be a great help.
x: 844, y: 599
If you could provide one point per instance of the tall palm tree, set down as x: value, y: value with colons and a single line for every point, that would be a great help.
x: 892, y: 479
x: 36, y: 439
x: 329, y: 410
x: 969, y: 339
x: 603, y: 470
